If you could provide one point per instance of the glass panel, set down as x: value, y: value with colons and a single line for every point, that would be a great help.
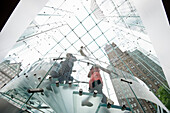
x: 78, y: 102
x: 66, y: 94
x: 16, y: 90
x: 135, y: 91
x: 114, y: 109
x: 54, y: 100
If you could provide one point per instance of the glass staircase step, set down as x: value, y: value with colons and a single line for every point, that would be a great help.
x: 66, y: 94
x: 77, y: 102
x: 102, y: 108
x: 60, y: 99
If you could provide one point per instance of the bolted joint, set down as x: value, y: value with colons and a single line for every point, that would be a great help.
x: 80, y: 92
x: 123, y: 108
x: 57, y: 83
x: 12, y: 96
x: 50, y: 78
x: 39, y: 78
x: 42, y: 93
x: 70, y: 83
x: 73, y: 70
x: 95, y: 93
x: 88, y: 63
x: 37, y: 90
x: 28, y: 107
x: 108, y: 105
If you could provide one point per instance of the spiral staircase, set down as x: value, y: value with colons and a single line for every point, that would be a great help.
x: 49, y: 96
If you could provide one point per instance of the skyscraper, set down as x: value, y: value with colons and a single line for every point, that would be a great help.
x: 139, y: 65
x: 128, y: 90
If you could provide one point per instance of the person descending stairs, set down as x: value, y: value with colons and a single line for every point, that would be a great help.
x: 95, y: 84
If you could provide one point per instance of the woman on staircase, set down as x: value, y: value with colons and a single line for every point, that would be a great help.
x: 95, y: 83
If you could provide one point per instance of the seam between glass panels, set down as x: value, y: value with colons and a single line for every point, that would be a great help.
x: 90, y: 34
x: 68, y: 33
x: 113, y: 48
x: 85, y: 33
x: 39, y: 33
x: 115, y: 51
x: 154, y: 76
x: 146, y: 63
x: 134, y: 93
x: 72, y: 46
x: 38, y: 85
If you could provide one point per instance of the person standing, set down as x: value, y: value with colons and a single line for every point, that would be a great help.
x: 65, y: 70
x: 95, y: 83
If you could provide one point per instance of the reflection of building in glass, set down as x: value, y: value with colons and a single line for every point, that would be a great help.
x: 8, y: 71
x: 139, y: 65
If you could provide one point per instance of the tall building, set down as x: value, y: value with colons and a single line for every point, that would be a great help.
x: 128, y: 95
x: 139, y: 65
x: 8, y: 71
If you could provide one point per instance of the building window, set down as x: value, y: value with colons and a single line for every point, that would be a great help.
x: 150, y: 106
x: 135, y: 104
x: 132, y: 105
x: 145, y: 108
x: 132, y: 99
x: 148, y: 75
x: 150, y: 85
x: 154, y: 90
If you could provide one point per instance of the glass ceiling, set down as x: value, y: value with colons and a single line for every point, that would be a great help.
x: 66, y: 25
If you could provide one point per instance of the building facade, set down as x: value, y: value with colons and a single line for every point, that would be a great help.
x: 8, y: 71
x: 139, y: 65
x: 126, y: 93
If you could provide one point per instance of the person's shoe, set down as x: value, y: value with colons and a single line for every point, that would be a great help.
x: 87, y: 103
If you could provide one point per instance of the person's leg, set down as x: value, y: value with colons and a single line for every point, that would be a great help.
x: 54, y: 74
x: 99, y: 90
x: 66, y: 77
x: 61, y: 79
